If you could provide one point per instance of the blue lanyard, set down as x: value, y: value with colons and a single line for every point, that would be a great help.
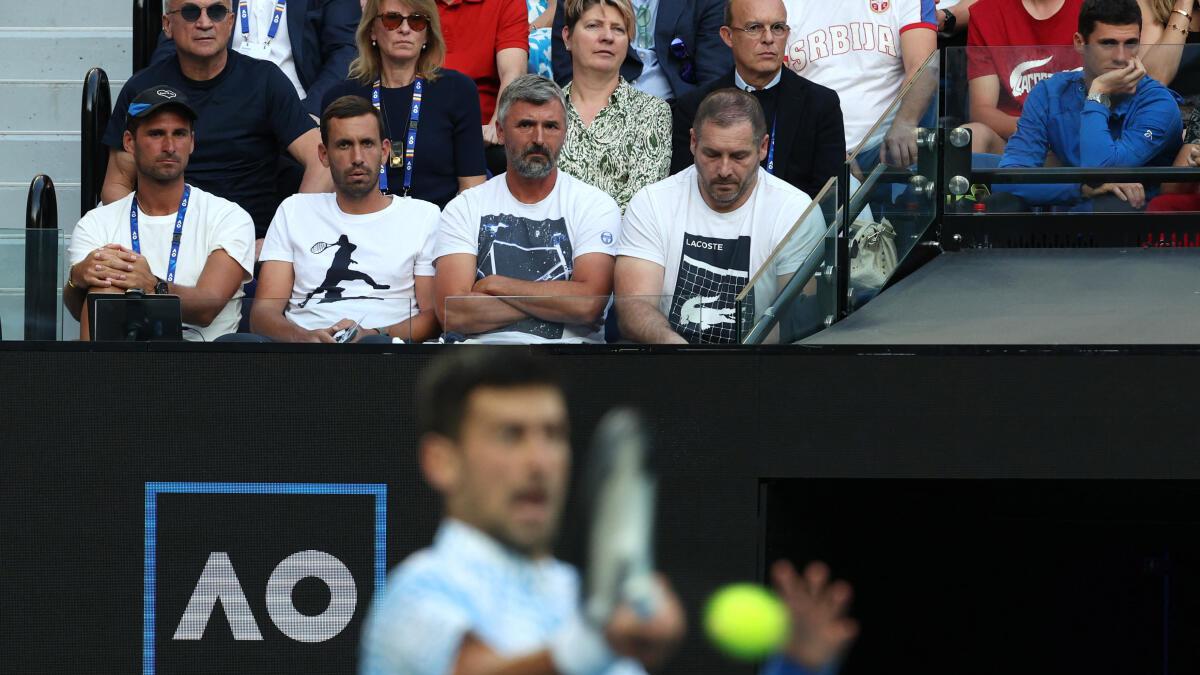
x: 175, y: 238
x: 244, y: 13
x: 771, y: 150
x: 410, y: 142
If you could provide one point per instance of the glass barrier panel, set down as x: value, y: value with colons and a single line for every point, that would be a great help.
x: 1032, y: 142
x: 893, y: 184
x: 794, y: 293
x: 682, y: 317
x: 282, y: 320
x: 19, y: 248
x: 490, y: 319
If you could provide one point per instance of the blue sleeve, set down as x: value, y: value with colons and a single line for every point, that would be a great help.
x: 929, y: 12
x: 164, y: 50
x: 712, y: 56
x: 468, y: 142
x: 114, y: 133
x: 1153, y: 124
x: 1027, y: 149
x: 288, y: 117
x: 339, y: 21
x: 781, y: 665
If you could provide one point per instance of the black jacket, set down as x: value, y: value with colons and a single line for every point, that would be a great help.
x: 810, y: 145
x: 322, y: 37
x: 696, y: 23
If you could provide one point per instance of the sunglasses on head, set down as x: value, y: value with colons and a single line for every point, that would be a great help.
x: 191, y: 13
x: 392, y: 21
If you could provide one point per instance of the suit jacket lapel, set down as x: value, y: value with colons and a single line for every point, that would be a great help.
x: 295, y: 14
x: 666, y: 20
x: 792, y: 104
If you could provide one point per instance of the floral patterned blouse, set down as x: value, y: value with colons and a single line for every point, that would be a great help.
x: 627, y: 146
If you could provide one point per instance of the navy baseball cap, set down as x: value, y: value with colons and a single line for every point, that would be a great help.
x: 156, y: 98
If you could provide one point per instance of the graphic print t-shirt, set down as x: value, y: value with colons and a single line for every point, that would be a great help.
x: 210, y: 223
x: 853, y: 47
x: 532, y: 242
x: 1026, y: 50
x: 708, y: 257
x: 357, y: 267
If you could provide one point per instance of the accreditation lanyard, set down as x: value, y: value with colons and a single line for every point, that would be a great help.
x: 771, y: 150
x: 410, y: 142
x: 175, y: 238
x: 244, y: 13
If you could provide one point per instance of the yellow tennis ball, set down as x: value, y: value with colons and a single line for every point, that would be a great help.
x: 746, y: 621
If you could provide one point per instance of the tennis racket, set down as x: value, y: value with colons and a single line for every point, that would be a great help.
x: 319, y: 247
x: 619, y: 493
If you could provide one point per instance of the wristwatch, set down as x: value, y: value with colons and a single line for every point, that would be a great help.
x: 950, y: 22
x: 1102, y: 99
x: 161, y: 287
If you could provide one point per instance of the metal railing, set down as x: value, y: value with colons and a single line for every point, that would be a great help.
x: 147, y: 24
x: 95, y: 112
x: 41, y: 260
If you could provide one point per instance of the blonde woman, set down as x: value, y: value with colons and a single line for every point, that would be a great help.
x: 618, y: 138
x: 401, y: 50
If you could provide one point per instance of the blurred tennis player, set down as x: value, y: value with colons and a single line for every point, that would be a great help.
x: 488, y: 597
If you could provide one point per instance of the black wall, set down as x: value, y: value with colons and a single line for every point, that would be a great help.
x: 84, y: 431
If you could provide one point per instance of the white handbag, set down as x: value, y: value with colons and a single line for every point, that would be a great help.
x: 873, y: 256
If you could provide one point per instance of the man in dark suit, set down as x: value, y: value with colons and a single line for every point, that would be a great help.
x: 684, y: 48
x: 805, y: 119
x: 314, y: 51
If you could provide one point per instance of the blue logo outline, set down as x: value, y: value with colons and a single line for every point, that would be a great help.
x: 153, y: 489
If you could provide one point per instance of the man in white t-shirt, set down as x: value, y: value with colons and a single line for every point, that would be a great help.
x: 691, y: 244
x: 356, y: 257
x: 167, y: 237
x: 528, y: 256
x: 865, y: 50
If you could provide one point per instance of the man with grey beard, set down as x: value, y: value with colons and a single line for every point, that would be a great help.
x: 527, y: 257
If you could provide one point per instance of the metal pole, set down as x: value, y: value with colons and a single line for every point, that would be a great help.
x: 41, y: 261
x: 94, y: 115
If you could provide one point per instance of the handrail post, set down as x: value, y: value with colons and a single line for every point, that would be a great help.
x: 95, y: 112
x: 147, y: 23
x: 41, y: 260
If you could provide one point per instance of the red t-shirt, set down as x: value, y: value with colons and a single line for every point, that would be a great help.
x: 475, y: 30
x: 1027, y: 50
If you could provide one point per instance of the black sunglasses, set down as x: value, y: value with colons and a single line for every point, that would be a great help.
x: 392, y: 21
x: 191, y: 13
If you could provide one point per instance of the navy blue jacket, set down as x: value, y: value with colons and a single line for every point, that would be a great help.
x: 322, y: 36
x: 697, y: 23
x: 1145, y: 129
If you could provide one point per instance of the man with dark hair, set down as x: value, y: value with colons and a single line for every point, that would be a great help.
x: 1127, y: 118
x: 807, y: 144
x: 249, y: 114
x: 696, y: 239
x: 528, y: 256
x: 488, y: 596
x: 167, y: 237
x: 354, y: 257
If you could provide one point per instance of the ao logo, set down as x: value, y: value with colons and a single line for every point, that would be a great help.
x: 218, y: 581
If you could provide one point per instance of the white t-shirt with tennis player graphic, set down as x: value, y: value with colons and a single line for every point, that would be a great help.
x: 211, y: 223
x: 853, y: 47
x: 708, y: 257
x: 347, y: 266
x: 531, y: 242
